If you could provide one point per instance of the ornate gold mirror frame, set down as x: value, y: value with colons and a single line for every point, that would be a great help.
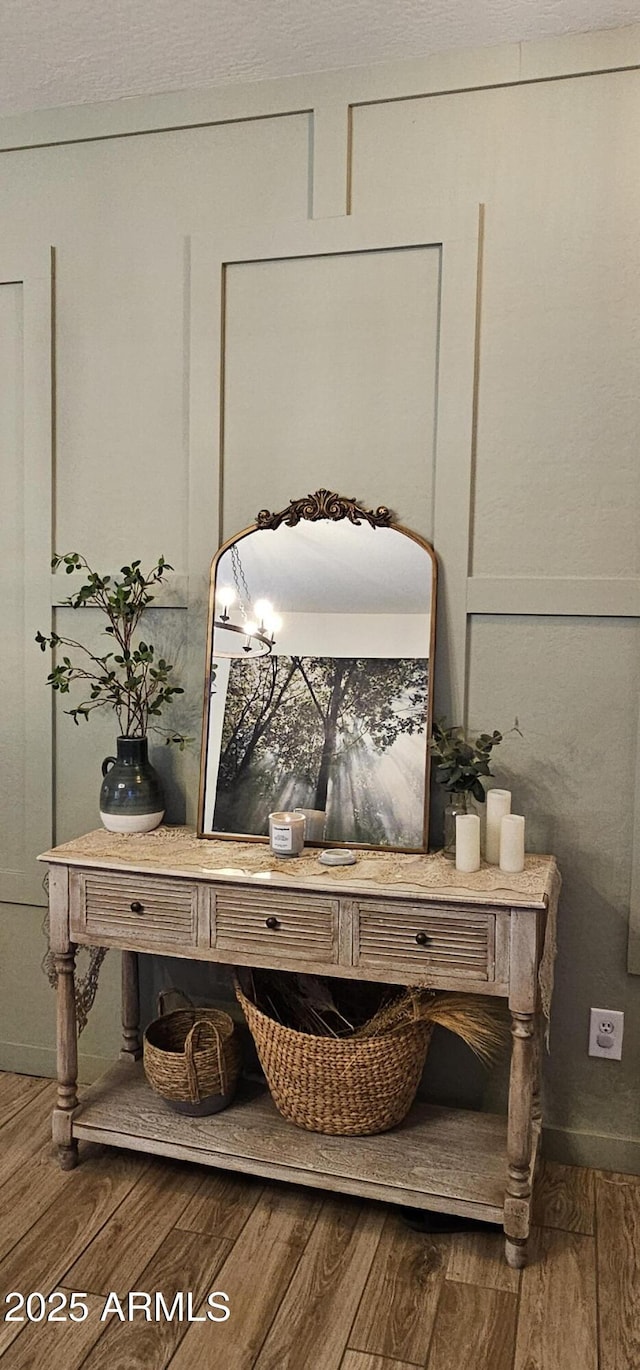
x: 348, y: 722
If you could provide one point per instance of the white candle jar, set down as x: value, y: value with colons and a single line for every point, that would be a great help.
x: 286, y: 833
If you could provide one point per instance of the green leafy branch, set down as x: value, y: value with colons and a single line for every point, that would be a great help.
x: 461, y: 763
x: 130, y: 679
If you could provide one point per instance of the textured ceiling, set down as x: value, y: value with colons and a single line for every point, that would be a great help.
x: 61, y: 52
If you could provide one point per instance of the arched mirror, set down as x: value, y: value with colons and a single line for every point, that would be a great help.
x: 319, y: 677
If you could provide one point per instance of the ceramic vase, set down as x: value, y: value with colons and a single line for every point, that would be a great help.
x: 131, y: 798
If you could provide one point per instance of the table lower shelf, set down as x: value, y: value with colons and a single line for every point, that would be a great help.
x: 450, y: 1160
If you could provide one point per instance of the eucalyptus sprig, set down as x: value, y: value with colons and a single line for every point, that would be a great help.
x: 460, y: 763
x: 131, y: 679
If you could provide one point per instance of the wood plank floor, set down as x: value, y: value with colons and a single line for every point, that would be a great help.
x: 313, y: 1281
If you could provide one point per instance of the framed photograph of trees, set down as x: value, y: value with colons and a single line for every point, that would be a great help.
x: 344, y: 736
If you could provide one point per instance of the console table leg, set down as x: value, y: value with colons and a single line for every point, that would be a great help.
x: 67, y: 1044
x: 517, y: 1206
x: 131, y: 1049
x: 536, y: 1103
x: 538, y: 1051
x: 515, y: 1250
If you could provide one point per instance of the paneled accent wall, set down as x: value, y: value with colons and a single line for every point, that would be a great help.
x: 418, y: 284
x: 359, y: 336
x: 25, y: 522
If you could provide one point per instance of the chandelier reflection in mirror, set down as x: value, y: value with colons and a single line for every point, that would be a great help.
x: 258, y: 623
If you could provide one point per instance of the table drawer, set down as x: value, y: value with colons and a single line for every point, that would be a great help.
x: 425, y: 939
x: 139, y: 908
x: 296, y: 927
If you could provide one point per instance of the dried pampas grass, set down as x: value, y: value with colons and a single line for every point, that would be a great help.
x: 479, y: 1022
x: 356, y: 1010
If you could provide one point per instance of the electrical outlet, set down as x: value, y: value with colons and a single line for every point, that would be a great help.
x: 606, y: 1028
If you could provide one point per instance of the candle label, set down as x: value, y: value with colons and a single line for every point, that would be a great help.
x: 281, y: 838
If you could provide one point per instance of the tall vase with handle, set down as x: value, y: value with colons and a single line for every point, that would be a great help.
x: 131, y: 798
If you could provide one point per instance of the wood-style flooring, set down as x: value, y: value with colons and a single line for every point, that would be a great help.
x: 314, y: 1282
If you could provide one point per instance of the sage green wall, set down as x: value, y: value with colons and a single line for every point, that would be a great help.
x: 118, y: 213
x: 552, y: 549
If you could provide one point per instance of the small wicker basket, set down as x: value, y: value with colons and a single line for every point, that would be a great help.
x: 191, y: 1058
x: 346, y: 1087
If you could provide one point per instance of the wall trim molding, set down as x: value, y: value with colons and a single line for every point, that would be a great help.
x: 568, y: 596
x: 33, y: 270
x: 582, y: 54
x: 633, y: 951
x: 597, y: 1150
x: 25, y: 1059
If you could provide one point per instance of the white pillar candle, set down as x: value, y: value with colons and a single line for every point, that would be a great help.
x: 512, y: 843
x: 498, y: 804
x: 314, y: 821
x: 467, y: 842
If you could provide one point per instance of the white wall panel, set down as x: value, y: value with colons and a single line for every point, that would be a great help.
x: 557, y: 475
x: 573, y: 684
x: 25, y: 514
x: 330, y: 379
x: 557, y: 480
x: 121, y: 471
x: 119, y: 214
x: 184, y: 180
x: 327, y: 341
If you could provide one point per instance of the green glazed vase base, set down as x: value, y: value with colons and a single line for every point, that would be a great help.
x: 131, y: 822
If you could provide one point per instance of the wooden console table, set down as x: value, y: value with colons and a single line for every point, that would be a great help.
x: 401, y: 919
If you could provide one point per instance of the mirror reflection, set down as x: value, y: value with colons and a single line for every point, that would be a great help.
x: 320, y: 641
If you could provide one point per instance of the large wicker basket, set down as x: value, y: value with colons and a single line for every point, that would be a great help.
x: 192, y: 1059
x: 346, y: 1087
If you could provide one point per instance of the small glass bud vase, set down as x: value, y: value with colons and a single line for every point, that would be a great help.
x: 457, y: 803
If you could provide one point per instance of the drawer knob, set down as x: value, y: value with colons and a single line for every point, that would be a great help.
x: 272, y: 922
x: 423, y: 939
x: 136, y: 906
